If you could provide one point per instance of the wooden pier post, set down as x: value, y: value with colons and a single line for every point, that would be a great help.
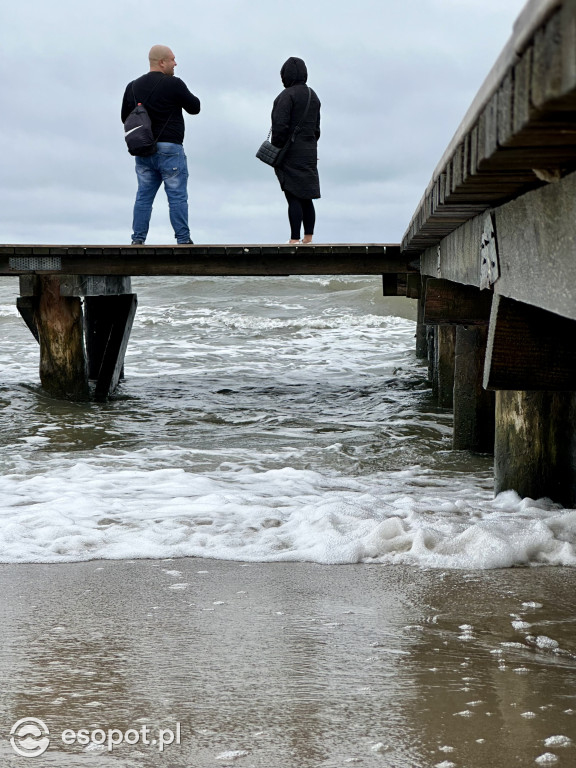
x: 58, y: 319
x: 446, y: 355
x: 531, y: 363
x: 474, y: 415
x: 421, y: 340
x: 535, y: 451
x: 432, y: 343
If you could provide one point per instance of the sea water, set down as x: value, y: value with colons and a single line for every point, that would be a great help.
x: 259, y: 420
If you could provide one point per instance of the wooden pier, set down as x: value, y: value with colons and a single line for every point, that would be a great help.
x: 78, y: 303
x: 490, y: 256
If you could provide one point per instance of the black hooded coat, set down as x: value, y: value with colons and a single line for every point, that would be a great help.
x: 298, y: 172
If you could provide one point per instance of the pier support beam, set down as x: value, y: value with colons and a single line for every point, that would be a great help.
x: 535, y: 447
x: 108, y: 321
x: 449, y: 307
x: 474, y: 420
x: 529, y: 348
x: 455, y: 304
x: 421, y: 340
x: 432, y: 345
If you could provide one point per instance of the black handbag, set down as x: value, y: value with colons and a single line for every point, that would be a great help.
x: 272, y: 155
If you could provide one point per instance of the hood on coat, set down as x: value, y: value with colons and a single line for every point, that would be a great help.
x: 293, y: 72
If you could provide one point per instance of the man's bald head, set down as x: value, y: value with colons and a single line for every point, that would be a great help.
x: 161, y: 59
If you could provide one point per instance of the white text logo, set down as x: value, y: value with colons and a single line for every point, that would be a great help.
x: 29, y: 737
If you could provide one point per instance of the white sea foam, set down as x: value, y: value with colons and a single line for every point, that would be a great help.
x: 520, y: 626
x: 558, y: 741
x: 87, y: 511
x: 232, y: 754
x: 547, y: 643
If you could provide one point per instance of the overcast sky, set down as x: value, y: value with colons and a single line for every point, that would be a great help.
x: 395, y: 78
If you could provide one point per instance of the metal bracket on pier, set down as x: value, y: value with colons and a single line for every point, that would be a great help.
x: 489, y: 264
x: 34, y: 263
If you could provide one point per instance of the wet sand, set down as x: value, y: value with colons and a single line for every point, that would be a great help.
x: 291, y: 665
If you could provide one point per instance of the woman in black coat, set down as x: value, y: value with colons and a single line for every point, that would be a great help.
x: 298, y: 171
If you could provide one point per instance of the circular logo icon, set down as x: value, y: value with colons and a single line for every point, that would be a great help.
x: 29, y: 737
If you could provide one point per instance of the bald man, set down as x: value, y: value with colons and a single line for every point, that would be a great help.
x: 164, y: 96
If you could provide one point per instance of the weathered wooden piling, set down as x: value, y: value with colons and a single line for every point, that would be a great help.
x: 82, y: 324
x: 432, y: 344
x: 535, y: 447
x: 58, y: 319
x: 446, y: 353
x: 474, y: 407
x: 421, y: 333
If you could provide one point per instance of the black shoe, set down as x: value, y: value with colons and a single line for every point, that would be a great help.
x: 137, y: 242
x: 188, y: 242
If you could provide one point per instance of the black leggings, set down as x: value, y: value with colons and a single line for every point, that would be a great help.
x: 300, y: 210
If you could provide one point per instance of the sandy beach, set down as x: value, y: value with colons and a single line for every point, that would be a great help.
x: 288, y: 664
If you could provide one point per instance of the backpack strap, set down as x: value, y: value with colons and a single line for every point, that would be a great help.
x: 164, y: 126
x: 156, y: 84
x: 160, y: 80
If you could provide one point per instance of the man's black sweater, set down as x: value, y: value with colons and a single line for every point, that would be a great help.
x: 164, y: 104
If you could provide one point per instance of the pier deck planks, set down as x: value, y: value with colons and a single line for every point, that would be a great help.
x: 205, y: 260
x: 519, y: 133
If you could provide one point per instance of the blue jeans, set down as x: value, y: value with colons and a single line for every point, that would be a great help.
x: 168, y: 165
